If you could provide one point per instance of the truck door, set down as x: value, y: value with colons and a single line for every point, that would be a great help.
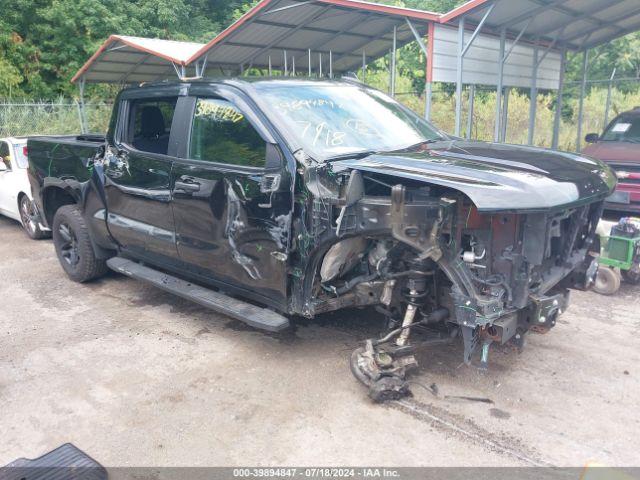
x: 232, y: 200
x: 138, y: 176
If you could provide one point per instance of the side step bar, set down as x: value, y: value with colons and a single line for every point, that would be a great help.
x: 250, y: 314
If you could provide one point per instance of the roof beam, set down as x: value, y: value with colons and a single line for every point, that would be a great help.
x: 269, y: 46
x: 580, y: 17
x: 293, y: 49
x: 620, y: 33
x: 418, y: 38
x: 345, y: 30
x: 532, y: 13
x: 363, y: 44
x: 517, y: 39
x: 571, y: 13
x: 476, y: 32
x: 623, y: 16
x: 288, y: 7
x: 310, y: 29
x: 124, y: 76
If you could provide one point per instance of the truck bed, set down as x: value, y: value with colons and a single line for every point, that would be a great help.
x: 54, y: 159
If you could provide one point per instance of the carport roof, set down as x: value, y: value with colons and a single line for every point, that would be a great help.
x: 344, y: 28
x: 124, y: 59
x: 575, y: 24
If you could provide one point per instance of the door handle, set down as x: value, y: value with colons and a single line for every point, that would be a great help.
x: 187, y: 186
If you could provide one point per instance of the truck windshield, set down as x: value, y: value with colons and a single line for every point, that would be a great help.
x: 623, y: 129
x: 337, y: 120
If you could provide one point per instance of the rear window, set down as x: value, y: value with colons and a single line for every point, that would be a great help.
x: 150, y: 124
x: 19, y: 151
x: 623, y: 129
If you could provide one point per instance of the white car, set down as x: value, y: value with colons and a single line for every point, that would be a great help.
x: 15, y: 190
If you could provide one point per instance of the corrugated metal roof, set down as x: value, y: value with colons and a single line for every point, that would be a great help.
x: 124, y: 59
x: 575, y: 24
x: 344, y: 28
x: 347, y: 28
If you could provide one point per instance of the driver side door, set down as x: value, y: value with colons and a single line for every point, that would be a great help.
x: 232, y: 200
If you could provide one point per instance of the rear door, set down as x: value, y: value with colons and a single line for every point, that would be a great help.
x: 138, y: 174
x: 232, y: 198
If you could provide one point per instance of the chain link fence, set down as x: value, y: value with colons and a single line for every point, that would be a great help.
x: 65, y: 117
x: 61, y: 117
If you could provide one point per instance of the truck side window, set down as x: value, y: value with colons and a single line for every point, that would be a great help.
x: 221, y: 133
x: 5, y: 155
x: 151, y: 124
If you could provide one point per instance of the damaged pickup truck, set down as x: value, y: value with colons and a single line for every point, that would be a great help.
x: 269, y: 198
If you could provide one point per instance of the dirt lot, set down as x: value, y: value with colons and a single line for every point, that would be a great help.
x: 134, y: 376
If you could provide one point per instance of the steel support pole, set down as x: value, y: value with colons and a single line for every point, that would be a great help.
x: 428, y: 100
x: 607, y: 107
x: 319, y: 65
x: 558, y: 115
x: 81, y: 110
x: 472, y: 99
x: 501, y: 62
x: 504, y: 123
x: 309, y: 62
x: 270, y: 69
x: 286, y: 67
x: 293, y: 65
x: 533, y: 96
x: 364, y: 65
x: 583, y: 90
x: 393, y: 61
x: 330, y: 64
x: 459, y: 76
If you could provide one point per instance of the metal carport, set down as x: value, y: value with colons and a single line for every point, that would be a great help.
x: 563, y: 25
x: 523, y: 43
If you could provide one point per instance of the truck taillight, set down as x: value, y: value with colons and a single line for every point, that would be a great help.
x: 25, y: 151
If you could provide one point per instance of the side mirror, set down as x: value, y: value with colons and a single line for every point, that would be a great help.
x: 592, y: 138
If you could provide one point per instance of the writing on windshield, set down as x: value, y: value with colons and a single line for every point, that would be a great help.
x: 337, y: 119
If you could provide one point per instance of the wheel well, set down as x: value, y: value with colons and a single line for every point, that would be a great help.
x: 53, y: 199
x: 20, y: 195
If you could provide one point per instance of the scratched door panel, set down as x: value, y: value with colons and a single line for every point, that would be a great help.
x: 138, y: 180
x: 230, y: 231
x: 231, y: 202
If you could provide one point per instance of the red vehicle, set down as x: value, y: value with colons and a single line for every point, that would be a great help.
x: 619, y: 146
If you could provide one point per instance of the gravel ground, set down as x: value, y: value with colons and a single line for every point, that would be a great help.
x: 137, y: 377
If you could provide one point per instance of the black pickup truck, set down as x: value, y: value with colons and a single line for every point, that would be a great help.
x: 269, y: 198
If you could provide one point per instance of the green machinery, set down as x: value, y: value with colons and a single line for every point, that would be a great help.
x: 620, y: 257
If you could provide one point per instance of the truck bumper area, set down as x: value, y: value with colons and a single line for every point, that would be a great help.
x: 382, y: 365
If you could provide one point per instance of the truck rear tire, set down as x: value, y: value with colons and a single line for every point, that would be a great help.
x: 73, y: 246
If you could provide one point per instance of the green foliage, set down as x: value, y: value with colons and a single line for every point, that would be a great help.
x: 44, y: 42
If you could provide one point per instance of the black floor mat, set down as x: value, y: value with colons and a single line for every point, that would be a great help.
x: 64, y: 463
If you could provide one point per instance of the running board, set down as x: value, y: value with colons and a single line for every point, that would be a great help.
x: 245, y: 312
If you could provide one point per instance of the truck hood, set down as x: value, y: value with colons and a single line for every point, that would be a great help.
x: 499, y: 177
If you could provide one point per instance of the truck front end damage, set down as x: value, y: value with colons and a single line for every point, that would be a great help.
x: 434, y: 265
